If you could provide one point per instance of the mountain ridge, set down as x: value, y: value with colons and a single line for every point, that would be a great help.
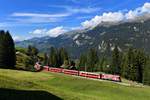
x: 102, y: 37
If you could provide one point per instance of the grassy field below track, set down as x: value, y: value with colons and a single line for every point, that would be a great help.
x: 22, y: 85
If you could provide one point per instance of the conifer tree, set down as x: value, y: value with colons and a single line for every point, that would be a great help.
x: 11, y: 51
x: 82, y: 62
x: 116, y: 61
x: 140, y: 62
x: 146, y: 72
x: 128, y: 68
x: 62, y: 56
x: 103, y: 64
x: 7, y: 50
x: 124, y: 66
x: 134, y: 66
x: 29, y: 50
x: 2, y: 49
x: 53, y: 58
x: 45, y: 59
x: 32, y: 52
x: 92, y: 59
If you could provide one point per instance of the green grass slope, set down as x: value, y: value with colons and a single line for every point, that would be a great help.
x: 54, y: 86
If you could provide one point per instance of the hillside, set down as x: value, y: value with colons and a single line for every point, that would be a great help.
x: 45, y: 85
x: 102, y: 37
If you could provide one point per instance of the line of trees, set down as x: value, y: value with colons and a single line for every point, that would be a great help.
x: 133, y: 64
x: 7, y: 50
x: 26, y: 59
x: 89, y: 61
x: 58, y: 58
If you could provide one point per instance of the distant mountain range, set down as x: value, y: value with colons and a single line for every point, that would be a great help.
x: 102, y: 37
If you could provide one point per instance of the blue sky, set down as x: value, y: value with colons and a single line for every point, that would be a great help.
x: 33, y: 18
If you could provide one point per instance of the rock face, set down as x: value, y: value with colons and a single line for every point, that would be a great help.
x: 102, y: 37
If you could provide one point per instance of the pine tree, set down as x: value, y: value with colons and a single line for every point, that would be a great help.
x: 140, y: 63
x: 53, y: 58
x: 32, y: 52
x: 133, y: 65
x: 128, y: 68
x: 146, y: 72
x: 124, y: 66
x: 29, y: 50
x: 11, y: 51
x: 92, y: 60
x: 7, y: 50
x: 2, y: 49
x: 35, y: 51
x: 62, y: 56
x: 82, y: 62
x: 103, y: 64
x: 45, y: 59
x: 116, y: 61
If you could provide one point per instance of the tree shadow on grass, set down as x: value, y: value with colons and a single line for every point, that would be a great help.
x: 12, y: 94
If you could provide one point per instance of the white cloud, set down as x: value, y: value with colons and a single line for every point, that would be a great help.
x: 115, y: 17
x: 75, y: 9
x: 39, y: 15
x: 35, y: 20
x: 105, y: 17
x: 39, y: 31
x: 138, y: 12
x: 146, y: 7
x: 54, y: 32
x: 17, y: 38
x: 30, y: 17
x: 131, y: 15
x: 82, y: 10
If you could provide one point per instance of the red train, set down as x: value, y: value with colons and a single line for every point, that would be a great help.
x: 110, y: 77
